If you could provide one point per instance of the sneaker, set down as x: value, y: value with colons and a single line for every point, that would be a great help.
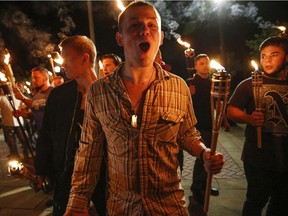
x: 214, y: 191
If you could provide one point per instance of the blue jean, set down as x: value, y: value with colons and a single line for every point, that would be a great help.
x: 265, y: 187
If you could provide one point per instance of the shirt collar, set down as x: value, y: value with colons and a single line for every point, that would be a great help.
x: 114, y: 79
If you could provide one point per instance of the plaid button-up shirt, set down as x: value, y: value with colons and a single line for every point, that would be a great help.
x: 143, y: 168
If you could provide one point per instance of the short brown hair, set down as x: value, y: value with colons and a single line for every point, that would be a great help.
x: 116, y: 59
x: 81, y: 44
x: 200, y: 56
x: 275, y: 41
x: 42, y: 70
x: 133, y: 4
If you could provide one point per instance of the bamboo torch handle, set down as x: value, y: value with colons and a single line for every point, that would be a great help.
x: 207, y: 192
x: 215, y: 135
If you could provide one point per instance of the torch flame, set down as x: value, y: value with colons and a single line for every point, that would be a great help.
x: 100, y: 65
x: 254, y: 65
x: 6, y: 59
x: 57, y: 69
x: 27, y: 89
x: 180, y: 41
x: 58, y: 59
x: 3, y: 77
x: 216, y: 65
x: 282, y: 29
x: 120, y: 5
x: 14, y: 166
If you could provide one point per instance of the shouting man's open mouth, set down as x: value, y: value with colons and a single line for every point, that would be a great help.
x: 144, y: 46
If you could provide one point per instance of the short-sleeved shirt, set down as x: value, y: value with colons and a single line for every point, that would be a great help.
x: 38, y: 106
x: 6, y: 111
x: 274, y: 152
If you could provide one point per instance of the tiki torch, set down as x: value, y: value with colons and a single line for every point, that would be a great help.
x: 100, y: 66
x: 51, y: 60
x: 10, y: 74
x: 18, y: 170
x: 55, y: 57
x: 257, y: 81
x: 9, y: 95
x: 219, y: 94
x: 189, y: 54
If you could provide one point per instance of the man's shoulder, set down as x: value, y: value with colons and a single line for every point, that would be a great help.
x: 70, y: 84
x: 64, y: 91
x: 245, y: 83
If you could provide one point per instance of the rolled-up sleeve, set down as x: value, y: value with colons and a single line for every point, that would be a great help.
x: 189, y: 138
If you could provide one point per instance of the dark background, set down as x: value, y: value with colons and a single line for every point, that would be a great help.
x: 33, y: 29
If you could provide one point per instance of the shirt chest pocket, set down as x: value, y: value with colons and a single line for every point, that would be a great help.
x: 168, y: 126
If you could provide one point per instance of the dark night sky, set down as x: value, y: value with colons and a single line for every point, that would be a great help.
x: 30, y: 30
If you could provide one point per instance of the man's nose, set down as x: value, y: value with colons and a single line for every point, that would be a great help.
x: 144, y: 29
x: 268, y: 59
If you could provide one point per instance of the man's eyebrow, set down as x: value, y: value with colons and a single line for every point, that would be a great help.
x: 271, y: 53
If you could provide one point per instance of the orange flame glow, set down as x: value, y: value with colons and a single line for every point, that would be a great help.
x: 282, y: 29
x: 3, y: 77
x: 254, y: 65
x: 180, y: 41
x: 14, y: 166
x: 120, y: 5
x: 216, y: 65
x: 58, y: 59
x: 100, y: 65
x: 7, y: 58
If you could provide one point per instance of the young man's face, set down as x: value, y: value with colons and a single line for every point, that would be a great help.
x: 202, y: 65
x: 72, y: 63
x: 38, y: 79
x: 273, y: 59
x: 108, y: 65
x: 141, y: 35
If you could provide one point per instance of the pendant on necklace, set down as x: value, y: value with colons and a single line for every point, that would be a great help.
x: 134, y: 121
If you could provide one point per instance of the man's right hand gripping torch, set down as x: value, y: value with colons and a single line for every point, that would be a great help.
x: 220, y: 90
x: 189, y: 57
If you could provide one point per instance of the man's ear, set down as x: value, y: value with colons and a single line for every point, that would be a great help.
x: 118, y: 37
x: 85, y: 57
